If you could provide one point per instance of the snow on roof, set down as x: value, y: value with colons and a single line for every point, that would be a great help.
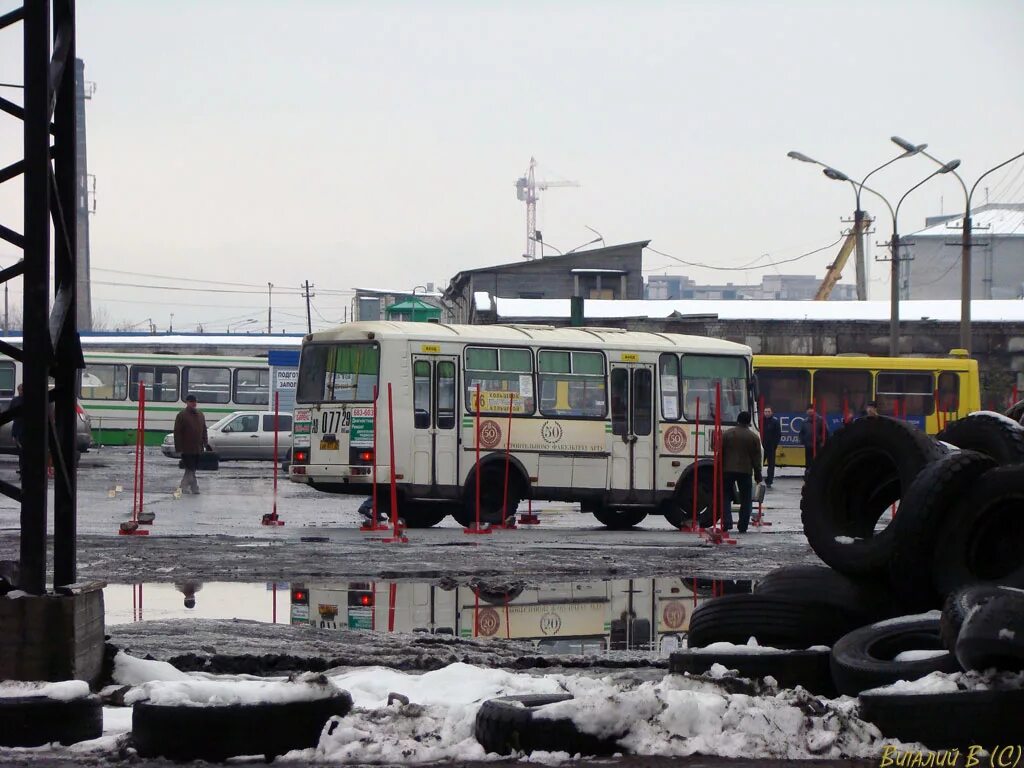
x: 598, y: 271
x: 1005, y: 221
x: 943, y: 310
x: 482, y: 300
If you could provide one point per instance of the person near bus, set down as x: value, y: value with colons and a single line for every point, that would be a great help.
x: 771, y: 436
x: 17, y: 423
x: 813, y: 434
x: 741, y: 457
x: 189, y: 441
x: 871, y: 410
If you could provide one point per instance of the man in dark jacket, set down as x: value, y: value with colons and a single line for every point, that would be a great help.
x: 771, y: 436
x: 189, y: 441
x: 741, y: 456
x: 813, y: 434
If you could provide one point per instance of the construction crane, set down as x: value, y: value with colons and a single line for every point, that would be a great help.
x: 527, y: 189
x: 835, y: 269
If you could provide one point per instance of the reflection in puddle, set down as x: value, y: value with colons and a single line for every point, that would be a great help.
x: 649, y: 614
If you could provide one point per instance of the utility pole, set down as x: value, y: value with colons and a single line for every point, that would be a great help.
x: 309, y: 317
x: 270, y: 298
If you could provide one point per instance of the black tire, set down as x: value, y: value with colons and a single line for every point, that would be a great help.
x: 492, y: 498
x: 619, y: 519
x: 864, y: 658
x: 779, y: 622
x: 423, y: 515
x: 31, y: 721
x: 987, y: 432
x: 679, y: 510
x: 1016, y: 412
x: 506, y: 725
x: 957, y: 607
x: 820, y: 584
x: 923, y: 510
x: 857, y: 475
x: 948, y: 720
x: 982, y: 540
x: 992, y: 637
x: 220, y: 732
x: 809, y: 669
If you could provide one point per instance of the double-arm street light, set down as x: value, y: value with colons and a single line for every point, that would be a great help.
x: 966, y: 241
x: 858, y: 214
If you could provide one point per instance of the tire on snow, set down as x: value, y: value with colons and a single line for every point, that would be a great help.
x: 987, y: 432
x: 859, y: 473
x: 820, y: 584
x: 864, y: 658
x: 981, y: 541
x: 808, y: 668
x: 992, y: 637
x: 507, y: 725
x: 947, y: 720
x: 923, y: 510
x: 619, y: 519
x: 778, y: 622
x: 959, y: 604
x: 216, y: 733
x: 31, y: 721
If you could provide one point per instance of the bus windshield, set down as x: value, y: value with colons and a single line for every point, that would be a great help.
x: 338, y: 373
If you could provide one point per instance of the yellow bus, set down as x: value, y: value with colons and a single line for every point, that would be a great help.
x: 925, y: 391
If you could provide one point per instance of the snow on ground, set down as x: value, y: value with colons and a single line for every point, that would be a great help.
x: 63, y: 691
x: 951, y: 682
x: 678, y: 716
x: 750, y: 647
x: 920, y: 655
x: 909, y: 619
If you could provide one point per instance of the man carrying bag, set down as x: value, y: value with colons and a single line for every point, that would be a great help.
x: 189, y: 441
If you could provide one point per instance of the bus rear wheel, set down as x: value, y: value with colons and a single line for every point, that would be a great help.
x: 619, y: 519
x: 492, y: 499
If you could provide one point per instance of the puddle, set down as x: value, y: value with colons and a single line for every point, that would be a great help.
x: 644, y: 614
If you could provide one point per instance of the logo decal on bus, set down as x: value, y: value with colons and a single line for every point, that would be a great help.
x: 490, y: 434
x: 675, y: 439
x: 487, y: 622
x: 550, y: 623
x: 551, y: 431
x: 673, y: 614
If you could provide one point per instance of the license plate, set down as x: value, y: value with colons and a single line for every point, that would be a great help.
x: 328, y: 445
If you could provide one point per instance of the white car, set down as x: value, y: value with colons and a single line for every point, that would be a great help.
x: 245, y: 435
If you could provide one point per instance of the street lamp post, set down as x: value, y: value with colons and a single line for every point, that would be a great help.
x: 858, y: 213
x: 965, y: 243
x: 894, y: 244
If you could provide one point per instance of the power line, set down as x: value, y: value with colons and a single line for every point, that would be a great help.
x: 189, y: 290
x: 746, y: 268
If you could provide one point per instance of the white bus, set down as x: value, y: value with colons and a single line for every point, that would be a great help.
x: 600, y: 416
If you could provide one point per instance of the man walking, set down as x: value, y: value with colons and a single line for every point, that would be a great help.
x: 770, y: 439
x: 813, y: 434
x: 741, y: 456
x: 189, y: 441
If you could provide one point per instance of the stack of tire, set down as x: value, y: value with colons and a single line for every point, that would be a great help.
x: 869, y: 616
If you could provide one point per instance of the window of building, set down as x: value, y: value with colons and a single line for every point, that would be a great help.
x: 161, y: 382
x: 905, y: 393
x: 842, y: 392
x: 501, y: 373
x: 252, y: 386
x: 668, y: 368
x: 701, y: 374
x: 572, y: 384
x: 209, y: 385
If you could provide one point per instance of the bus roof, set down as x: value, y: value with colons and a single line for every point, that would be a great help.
x: 520, y: 334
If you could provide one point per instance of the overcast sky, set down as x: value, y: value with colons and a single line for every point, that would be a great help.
x: 377, y: 143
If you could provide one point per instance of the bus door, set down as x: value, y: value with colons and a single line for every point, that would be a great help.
x: 632, y: 409
x: 435, y: 433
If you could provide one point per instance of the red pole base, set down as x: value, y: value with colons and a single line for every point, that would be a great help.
x: 131, y: 528
x: 400, y: 539
x: 371, y: 528
x: 691, y: 529
x: 271, y: 519
x: 528, y: 518
x: 717, y: 536
x: 473, y: 530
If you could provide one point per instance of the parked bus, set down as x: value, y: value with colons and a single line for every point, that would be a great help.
x: 600, y: 416
x: 109, y: 390
x: 925, y: 391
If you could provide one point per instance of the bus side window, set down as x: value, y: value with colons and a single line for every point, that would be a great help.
x: 620, y: 396
x: 949, y: 391
x: 642, y: 401
x: 908, y: 392
x: 421, y: 394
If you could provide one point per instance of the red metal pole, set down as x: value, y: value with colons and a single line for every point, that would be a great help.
x: 508, y: 460
x: 696, y: 463
x: 391, y: 440
x: 273, y: 611
x: 374, y: 456
x: 142, y: 448
x: 719, y: 476
x: 277, y: 412
x: 814, y: 429
x: 392, y: 593
x: 135, y: 472
x: 477, y: 469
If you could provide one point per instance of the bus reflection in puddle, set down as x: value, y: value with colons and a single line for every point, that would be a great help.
x: 646, y: 614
